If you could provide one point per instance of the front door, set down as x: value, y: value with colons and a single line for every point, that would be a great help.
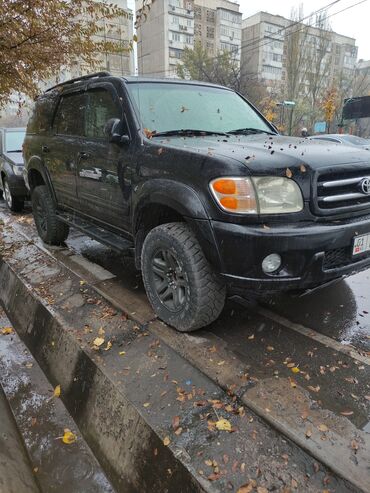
x: 101, y: 164
x: 61, y: 152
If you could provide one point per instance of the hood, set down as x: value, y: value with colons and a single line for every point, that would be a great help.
x: 264, y: 152
x: 14, y: 158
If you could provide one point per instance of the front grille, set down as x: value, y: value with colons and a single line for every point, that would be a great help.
x: 341, y: 257
x: 343, y: 191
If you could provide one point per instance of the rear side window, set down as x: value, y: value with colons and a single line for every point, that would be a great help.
x: 101, y: 108
x: 42, y: 114
x: 70, y: 116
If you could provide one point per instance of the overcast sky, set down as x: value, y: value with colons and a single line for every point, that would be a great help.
x: 353, y: 22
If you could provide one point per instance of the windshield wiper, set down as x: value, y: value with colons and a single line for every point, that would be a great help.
x: 20, y: 150
x: 249, y: 130
x: 187, y: 131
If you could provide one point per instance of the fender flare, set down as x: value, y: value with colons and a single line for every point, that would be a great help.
x: 35, y: 164
x: 186, y: 202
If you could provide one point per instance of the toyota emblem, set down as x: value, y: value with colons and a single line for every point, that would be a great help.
x: 365, y: 186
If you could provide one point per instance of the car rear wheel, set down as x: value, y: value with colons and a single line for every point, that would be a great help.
x: 13, y: 203
x: 181, y: 285
x: 51, y: 230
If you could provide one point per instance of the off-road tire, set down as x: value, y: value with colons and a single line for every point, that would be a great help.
x: 205, y: 293
x: 51, y: 230
x: 14, y: 204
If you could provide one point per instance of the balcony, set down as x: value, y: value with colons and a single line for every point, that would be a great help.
x: 189, y: 14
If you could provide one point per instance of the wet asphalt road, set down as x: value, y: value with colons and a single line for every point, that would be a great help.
x: 268, y: 347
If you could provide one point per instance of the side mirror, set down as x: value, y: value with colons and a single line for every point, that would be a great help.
x: 113, y: 129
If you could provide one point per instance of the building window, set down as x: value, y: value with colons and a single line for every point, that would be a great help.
x: 175, y: 20
x: 210, y: 32
x: 176, y: 37
x: 197, y: 12
x: 174, y: 53
x: 198, y: 29
x: 210, y: 16
x: 188, y: 40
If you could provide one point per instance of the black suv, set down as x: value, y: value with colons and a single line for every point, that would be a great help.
x: 194, y: 181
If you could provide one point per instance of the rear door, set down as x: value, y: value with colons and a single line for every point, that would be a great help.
x: 102, y: 164
x: 61, y: 151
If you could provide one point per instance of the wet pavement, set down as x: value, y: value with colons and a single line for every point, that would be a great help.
x: 42, y: 461
x: 272, y: 350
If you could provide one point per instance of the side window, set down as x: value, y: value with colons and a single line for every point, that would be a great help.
x: 101, y: 108
x: 70, y: 117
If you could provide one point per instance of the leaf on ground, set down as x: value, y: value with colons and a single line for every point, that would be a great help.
x: 166, y: 441
x: 223, y: 425
x: 7, y: 330
x: 323, y: 428
x: 98, y: 341
x: 346, y: 413
x: 261, y: 489
x: 57, y: 391
x: 295, y: 369
x: 122, y: 353
x: 354, y: 445
x: 175, y: 422
x: 68, y: 437
x: 308, y: 433
x: 108, y: 346
x: 293, y: 383
x: 314, y: 389
x: 146, y: 404
x: 246, y: 488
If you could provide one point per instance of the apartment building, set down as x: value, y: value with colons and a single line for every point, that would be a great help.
x: 170, y: 26
x: 264, y: 49
x: 118, y: 30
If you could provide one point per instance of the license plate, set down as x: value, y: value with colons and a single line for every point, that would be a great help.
x: 361, y: 244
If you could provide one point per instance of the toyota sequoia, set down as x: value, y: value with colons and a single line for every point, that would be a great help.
x: 199, y: 187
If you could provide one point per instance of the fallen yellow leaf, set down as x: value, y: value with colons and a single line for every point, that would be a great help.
x: 57, y: 391
x: 295, y: 369
x: 146, y: 404
x: 98, y: 341
x: 122, y: 353
x: 7, y: 330
x: 108, y: 346
x: 82, y: 283
x: 223, y: 425
x: 323, y: 428
x: 166, y: 441
x: 68, y: 437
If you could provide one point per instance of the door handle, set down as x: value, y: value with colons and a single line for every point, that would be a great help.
x: 83, y: 155
x: 45, y: 149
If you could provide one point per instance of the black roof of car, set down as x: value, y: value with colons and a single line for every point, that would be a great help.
x: 131, y: 79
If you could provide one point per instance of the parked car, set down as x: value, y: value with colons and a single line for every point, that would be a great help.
x: 12, y: 186
x: 347, y: 139
x: 202, y: 190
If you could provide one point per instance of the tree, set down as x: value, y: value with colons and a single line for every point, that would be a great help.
x: 223, y: 69
x: 39, y: 37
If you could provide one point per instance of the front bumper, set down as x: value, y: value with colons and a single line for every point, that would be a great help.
x: 312, y: 253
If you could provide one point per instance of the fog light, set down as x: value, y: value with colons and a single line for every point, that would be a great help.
x: 271, y: 263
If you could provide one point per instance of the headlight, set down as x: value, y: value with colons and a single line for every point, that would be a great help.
x: 261, y: 195
x: 277, y: 195
x: 18, y: 170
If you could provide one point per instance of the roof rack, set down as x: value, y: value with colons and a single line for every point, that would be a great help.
x: 78, y: 79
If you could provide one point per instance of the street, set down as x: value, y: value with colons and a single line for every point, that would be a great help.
x: 302, y: 363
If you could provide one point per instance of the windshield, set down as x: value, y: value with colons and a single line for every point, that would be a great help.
x: 164, y: 107
x: 353, y: 139
x: 14, y: 140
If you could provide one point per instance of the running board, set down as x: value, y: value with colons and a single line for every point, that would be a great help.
x: 113, y: 240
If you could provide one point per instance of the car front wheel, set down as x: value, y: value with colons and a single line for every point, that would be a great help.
x: 182, y: 287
